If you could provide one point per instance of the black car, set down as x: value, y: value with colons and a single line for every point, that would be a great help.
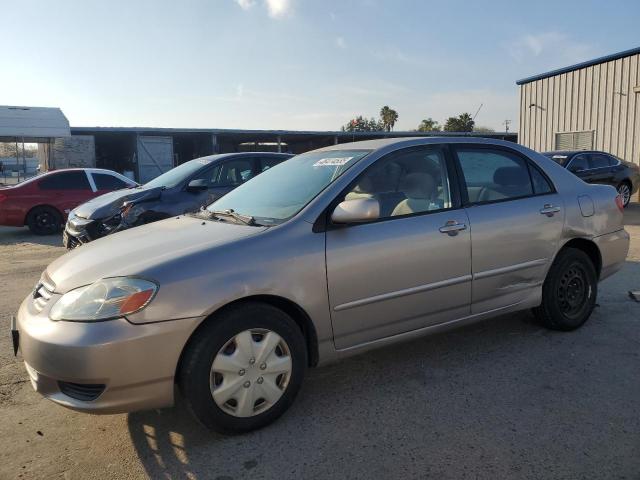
x: 183, y: 189
x: 601, y: 167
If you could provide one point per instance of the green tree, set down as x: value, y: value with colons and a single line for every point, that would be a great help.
x: 481, y: 129
x: 429, y: 125
x: 388, y: 117
x: 361, y: 124
x: 461, y: 123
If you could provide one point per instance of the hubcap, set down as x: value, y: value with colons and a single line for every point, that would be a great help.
x: 250, y: 372
x: 573, y: 290
x: 625, y: 193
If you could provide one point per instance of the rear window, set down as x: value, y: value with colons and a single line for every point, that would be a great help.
x: 75, y: 180
x: 104, y: 181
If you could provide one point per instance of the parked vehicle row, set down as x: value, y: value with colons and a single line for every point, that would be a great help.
x: 601, y: 167
x: 331, y: 253
x: 186, y: 188
x: 43, y: 202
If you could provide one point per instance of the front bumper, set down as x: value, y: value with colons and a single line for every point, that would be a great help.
x: 134, y: 365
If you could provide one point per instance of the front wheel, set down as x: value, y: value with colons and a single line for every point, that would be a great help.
x: 243, y: 369
x: 569, y: 291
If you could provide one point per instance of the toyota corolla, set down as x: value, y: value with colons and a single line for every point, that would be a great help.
x: 331, y: 253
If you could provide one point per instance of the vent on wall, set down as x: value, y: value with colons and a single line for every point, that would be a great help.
x: 574, y: 140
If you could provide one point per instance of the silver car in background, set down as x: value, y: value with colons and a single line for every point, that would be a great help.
x: 329, y: 254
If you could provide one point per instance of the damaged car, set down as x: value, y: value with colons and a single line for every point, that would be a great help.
x: 185, y: 188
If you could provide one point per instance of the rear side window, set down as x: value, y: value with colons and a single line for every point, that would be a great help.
x: 492, y: 175
x: 578, y: 163
x: 104, y: 181
x: 76, y: 180
x: 597, y: 160
x: 540, y: 183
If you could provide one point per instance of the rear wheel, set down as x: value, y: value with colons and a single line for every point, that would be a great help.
x: 624, y: 189
x: 569, y: 291
x: 44, y: 220
x: 243, y: 369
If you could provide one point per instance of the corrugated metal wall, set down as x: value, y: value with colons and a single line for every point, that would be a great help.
x: 603, y: 98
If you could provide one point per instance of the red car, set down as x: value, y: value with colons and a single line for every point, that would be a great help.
x: 43, y: 202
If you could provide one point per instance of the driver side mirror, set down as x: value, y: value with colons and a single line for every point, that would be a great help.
x: 197, y: 185
x: 356, y: 211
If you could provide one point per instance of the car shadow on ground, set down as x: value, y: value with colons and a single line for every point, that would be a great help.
x: 17, y: 235
x: 484, y: 391
x: 632, y: 214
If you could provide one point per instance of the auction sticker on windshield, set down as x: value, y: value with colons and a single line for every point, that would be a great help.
x: 332, y: 162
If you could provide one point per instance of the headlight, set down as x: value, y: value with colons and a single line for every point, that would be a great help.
x: 105, y: 299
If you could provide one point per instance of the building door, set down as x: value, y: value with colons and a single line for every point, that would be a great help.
x: 155, y: 157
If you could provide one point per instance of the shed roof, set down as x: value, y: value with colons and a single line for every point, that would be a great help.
x: 32, y: 123
x: 577, y: 66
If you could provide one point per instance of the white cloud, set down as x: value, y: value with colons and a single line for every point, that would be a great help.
x: 340, y: 42
x: 246, y: 4
x: 550, y: 46
x: 279, y: 8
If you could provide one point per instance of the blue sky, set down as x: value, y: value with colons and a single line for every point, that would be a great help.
x: 293, y: 64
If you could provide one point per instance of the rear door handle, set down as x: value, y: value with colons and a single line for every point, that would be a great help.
x: 452, y: 228
x: 549, y: 210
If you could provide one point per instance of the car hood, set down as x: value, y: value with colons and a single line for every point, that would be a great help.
x: 109, y: 204
x: 133, y: 251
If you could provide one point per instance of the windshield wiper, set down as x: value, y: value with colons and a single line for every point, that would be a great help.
x: 246, y: 219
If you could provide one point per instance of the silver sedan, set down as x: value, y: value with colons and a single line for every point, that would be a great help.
x: 329, y: 254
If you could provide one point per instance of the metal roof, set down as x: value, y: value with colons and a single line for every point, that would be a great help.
x: 32, y: 123
x: 230, y: 131
x: 577, y: 66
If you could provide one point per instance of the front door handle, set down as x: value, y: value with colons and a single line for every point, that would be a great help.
x: 549, y: 210
x: 452, y: 228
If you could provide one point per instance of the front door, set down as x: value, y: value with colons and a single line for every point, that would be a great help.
x: 516, y: 221
x: 412, y: 267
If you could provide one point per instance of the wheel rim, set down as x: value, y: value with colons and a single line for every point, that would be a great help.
x: 573, y: 291
x: 625, y: 193
x: 45, y: 221
x: 250, y: 373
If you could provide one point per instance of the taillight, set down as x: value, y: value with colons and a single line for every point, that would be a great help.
x: 2, y: 197
x: 620, y: 203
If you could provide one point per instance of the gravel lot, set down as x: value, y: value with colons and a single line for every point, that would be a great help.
x: 504, y: 398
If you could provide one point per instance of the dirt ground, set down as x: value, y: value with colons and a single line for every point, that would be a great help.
x: 504, y: 398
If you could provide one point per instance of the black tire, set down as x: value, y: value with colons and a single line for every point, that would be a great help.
x: 624, y: 189
x: 44, y: 220
x: 569, y: 292
x: 195, y: 367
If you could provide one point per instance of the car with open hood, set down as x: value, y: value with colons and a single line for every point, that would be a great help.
x: 185, y: 188
x: 331, y: 253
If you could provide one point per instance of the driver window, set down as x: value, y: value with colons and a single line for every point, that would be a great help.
x: 234, y: 172
x: 406, y: 182
x: 579, y: 162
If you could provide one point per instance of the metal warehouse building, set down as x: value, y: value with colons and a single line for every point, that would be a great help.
x: 589, y: 106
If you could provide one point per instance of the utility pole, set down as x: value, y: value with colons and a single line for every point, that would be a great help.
x: 506, y: 124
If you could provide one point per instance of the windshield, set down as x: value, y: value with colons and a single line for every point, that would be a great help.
x: 177, y: 175
x: 282, y: 191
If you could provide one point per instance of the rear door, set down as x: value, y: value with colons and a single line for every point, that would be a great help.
x: 410, y: 268
x: 516, y: 219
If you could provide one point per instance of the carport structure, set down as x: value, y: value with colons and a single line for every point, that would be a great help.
x: 148, y: 152
x: 42, y: 125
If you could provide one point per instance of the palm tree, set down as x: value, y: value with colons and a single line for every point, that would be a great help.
x: 389, y: 117
x: 429, y: 125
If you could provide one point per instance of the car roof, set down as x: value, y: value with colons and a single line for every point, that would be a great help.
x: 410, y: 141
x: 220, y: 156
x: 570, y: 153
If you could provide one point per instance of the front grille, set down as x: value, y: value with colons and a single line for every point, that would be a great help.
x: 79, y: 391
x: 42, y: 292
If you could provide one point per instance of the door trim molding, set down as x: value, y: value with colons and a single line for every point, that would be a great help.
x: 402, y: 293
x: 510, y: 268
